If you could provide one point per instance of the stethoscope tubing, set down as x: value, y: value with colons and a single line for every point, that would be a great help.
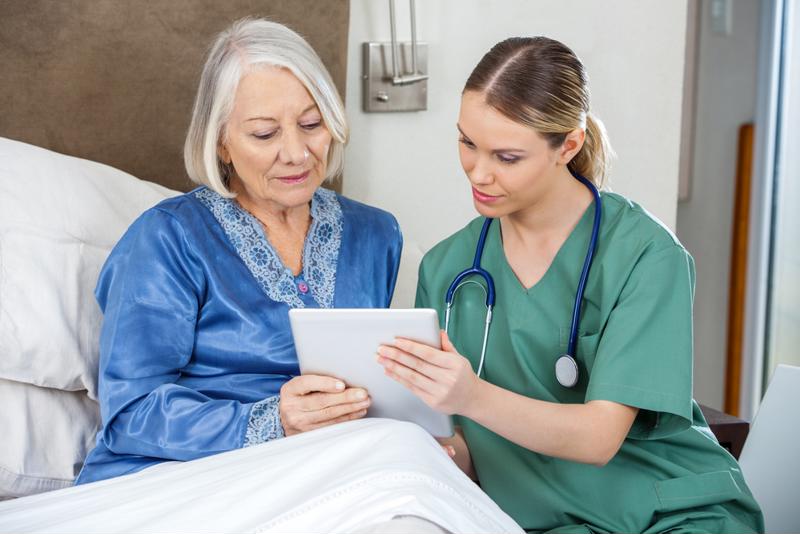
x: 477, y: 270
x: 587, y: 265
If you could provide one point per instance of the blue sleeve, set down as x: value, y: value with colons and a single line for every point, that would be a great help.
x: 393, y: 257
x: 150, y: 291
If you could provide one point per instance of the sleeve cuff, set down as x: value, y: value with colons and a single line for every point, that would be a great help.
x: 265, y: 422
x: 660, y: 414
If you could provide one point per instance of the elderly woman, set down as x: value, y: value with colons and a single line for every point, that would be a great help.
x: 196, y: 352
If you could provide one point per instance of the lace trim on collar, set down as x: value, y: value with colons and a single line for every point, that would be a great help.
x: 320, y: 252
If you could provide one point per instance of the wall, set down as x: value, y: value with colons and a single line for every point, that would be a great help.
x: 115, y: 81
x: 408, y: 164
x: 725, y: 99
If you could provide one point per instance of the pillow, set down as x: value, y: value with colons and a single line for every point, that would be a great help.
x: 60, y: 216
x: 46, y: 436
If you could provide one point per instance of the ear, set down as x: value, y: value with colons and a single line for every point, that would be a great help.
x: 571, y: 146
x: 222, y: 152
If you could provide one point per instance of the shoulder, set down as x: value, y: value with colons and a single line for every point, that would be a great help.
x: 360, y: 216
x: 461, y: 244
x: 170, y: 224
x: 172, y: 212
x: 355, y: 210
x: 635, y: 230
x: 634, y: 243
x: 160, y: 240
x: 179, y: 217
x: 187, y: 207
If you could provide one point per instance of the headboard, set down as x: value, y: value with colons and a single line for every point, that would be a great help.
x: 114, y: 81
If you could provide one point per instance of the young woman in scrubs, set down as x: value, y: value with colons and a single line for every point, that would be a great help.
x: 626, y: 449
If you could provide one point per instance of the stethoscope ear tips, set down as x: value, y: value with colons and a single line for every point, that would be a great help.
x: 567, y: 371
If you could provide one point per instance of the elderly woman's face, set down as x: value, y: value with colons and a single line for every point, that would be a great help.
x: 276, y: 140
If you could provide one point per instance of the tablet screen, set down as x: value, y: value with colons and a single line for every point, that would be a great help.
x: 343, y: 343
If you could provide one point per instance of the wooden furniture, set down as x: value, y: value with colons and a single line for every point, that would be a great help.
x: 729, y: 430
x: 738, y: 273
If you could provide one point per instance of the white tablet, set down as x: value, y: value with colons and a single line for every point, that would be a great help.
x: 343, y: 343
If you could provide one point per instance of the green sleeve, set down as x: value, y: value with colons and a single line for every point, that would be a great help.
x: 422, y: 299
x: 644, y: 356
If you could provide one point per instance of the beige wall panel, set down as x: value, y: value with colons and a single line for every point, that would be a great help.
x: 114, y: 81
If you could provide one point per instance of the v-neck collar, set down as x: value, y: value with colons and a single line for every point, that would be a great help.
x: 497, y: 253
x: 320, y: 250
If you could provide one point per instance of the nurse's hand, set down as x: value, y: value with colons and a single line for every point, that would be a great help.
x: 443, y: 379
x: 312, y: 401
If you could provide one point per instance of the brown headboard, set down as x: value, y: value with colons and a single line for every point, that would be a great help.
x: 114, y: 81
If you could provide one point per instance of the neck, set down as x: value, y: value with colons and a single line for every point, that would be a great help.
x: 272, y: 216
x: 555, y: 212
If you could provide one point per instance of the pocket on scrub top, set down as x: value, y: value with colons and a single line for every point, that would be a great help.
x: 586, y: 350
x: 696, y: 490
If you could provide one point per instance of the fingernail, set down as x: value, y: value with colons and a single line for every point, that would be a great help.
x: 340, y: 385
x: 361, y: 394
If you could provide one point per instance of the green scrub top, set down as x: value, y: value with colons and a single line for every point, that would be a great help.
x: 634, y: 347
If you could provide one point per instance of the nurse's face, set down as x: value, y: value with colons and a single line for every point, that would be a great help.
x: 276, y: 141
x: 509, y: 165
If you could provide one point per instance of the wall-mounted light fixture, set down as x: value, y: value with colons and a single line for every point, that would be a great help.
x: 395, y: 74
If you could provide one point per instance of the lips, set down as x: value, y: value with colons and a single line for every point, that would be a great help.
x: 483, y: 197
x: 293, y: 179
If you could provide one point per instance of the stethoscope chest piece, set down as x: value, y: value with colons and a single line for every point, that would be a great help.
x: 567, y: 371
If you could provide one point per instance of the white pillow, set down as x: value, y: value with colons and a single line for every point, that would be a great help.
x: 59, y: 218
x: 46, y: 436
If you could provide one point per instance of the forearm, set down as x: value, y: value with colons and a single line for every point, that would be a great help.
x: 178, y: 423
x: 588, y: 433
x: 462, y: 458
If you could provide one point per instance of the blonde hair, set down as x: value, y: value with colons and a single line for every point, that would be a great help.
x: 252, y: 43
x: 541, y: 83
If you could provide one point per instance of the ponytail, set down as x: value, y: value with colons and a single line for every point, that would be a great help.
x: 594, y: 158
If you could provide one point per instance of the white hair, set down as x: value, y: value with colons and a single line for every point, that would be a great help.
x: 250, y: 43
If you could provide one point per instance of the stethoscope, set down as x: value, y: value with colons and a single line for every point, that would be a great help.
x: 566, y: 365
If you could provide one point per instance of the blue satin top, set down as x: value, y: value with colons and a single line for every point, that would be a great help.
x: 195, y: 342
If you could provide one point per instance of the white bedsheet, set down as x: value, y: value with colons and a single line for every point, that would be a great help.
x: 337, y: 479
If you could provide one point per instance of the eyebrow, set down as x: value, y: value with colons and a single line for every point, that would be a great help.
x: 497, y: 150
x: 262, y: 118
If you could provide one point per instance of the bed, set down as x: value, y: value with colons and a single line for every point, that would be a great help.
x: 96, y: 97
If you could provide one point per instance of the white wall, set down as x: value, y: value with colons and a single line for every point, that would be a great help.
x: 725, y: 99
x: 408, y: 164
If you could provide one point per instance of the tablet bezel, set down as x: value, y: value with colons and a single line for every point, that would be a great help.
x: 343, y: 343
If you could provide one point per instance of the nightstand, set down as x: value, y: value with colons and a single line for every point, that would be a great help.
x: 729, y: 430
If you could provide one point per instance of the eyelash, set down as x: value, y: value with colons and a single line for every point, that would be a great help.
x: 466, y: 142
x: 507, y: 160
x: 307, y: 127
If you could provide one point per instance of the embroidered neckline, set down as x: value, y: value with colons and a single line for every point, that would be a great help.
x: 320, y: 251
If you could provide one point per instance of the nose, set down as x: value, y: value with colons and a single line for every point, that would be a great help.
x: 293, y: 150
x: 480, y: 172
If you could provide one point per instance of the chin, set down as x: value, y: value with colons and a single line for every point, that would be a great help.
x: 299, y: 197
x: 491, y: 212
